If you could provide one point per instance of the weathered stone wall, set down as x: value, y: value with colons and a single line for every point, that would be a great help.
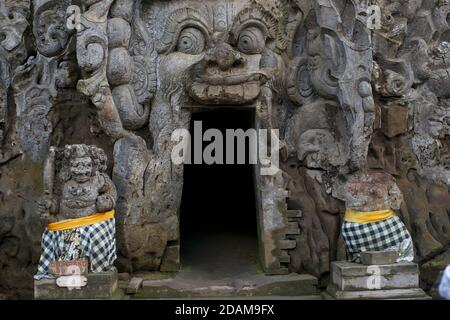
x: 348, y: 92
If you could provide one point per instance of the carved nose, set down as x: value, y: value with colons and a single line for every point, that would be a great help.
x: 225, y: 57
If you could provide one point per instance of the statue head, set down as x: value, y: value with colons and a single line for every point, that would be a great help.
x: 318, y: 148
x: 319, y: 142
x: 82, y: 161
x: 13, y: 22
x: 431, y: 117
x: 49, y: 26
x: 81, y: 169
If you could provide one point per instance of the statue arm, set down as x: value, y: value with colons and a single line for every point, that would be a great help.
x: 107, y: 194
x: 48, y: 208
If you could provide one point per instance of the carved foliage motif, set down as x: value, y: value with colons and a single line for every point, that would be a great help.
x: 36, y: 83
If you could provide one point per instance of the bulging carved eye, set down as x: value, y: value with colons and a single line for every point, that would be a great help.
x: 251, y: 41
x: 191, y: 41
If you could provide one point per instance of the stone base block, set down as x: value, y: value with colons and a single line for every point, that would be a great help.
x: 391, y: 281
x: 102, y: 285
x: 378, y: 257
x: 350, y: 276
x: 389, y: 294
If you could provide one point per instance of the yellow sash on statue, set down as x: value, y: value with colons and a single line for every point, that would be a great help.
x: 80, y: 222
x: 367, y: 216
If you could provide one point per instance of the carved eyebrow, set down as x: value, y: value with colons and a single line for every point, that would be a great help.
x: 177, y: 21
x: 259, y: 17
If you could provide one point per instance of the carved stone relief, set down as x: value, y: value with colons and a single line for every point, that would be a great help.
x: 347, y: 97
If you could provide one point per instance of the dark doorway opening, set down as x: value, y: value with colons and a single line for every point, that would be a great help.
x: 218, y: 218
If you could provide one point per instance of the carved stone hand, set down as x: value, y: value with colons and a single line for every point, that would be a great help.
x: 46, y: 207
x: 104, y: 203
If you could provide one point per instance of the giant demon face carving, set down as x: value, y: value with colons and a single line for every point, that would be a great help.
x: 222, y: 53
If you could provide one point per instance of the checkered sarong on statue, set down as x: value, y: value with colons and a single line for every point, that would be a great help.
x: 377, y: 236
x: 96, y: 242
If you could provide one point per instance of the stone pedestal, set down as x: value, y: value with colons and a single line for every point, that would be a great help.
x: 388, y: 281
x: 378, y: 257
x: 103, y: 285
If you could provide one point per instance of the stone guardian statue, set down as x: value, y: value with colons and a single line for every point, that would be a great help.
x: 78, y: 208
x: 370, y: 222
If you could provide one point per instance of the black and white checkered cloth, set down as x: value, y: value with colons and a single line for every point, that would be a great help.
x: 378, y: 236
x: 97, y: 242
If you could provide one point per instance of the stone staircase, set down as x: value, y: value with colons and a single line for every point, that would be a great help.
x: 292, y: 229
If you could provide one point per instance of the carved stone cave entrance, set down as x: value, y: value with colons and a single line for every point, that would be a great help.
x: 218, y: 213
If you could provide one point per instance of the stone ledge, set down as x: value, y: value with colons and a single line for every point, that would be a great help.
x: 352, y: 281
x: 378, y: 257
x: 387, y: 281
x: 346, y: 268
x: 101, y: 285
x: 353, y: 277
x: 413, y: 293
x: 294, y: 285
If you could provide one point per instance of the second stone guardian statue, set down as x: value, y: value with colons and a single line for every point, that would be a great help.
x: 370, y: 222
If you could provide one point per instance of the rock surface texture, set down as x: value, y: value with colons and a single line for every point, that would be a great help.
x: 352, y: 85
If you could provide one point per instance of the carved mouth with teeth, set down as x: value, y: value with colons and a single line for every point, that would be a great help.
x: 227, y: 89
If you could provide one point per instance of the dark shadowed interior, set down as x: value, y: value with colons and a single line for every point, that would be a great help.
x: 218, y: 215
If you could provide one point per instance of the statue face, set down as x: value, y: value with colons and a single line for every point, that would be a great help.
x: 318, y: 148
x: 13, y: 23
x: 315, y: 146
x: 50, y: 30
x: 81, y: 169
x: 221, y: 52
x: 433, y: 119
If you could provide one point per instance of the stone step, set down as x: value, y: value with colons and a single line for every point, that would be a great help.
x: 413, y: 293
x: 353, y: 276
x: 294, y: 213
x: 284, y: 298
x: 293, y: 285
x: 134, y: 285
x: 414, y: 298
x: 284, y: 257
x: 292, y: 228
x: 394, y: 281
x: 287, y: 244
x: 346, y: 268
